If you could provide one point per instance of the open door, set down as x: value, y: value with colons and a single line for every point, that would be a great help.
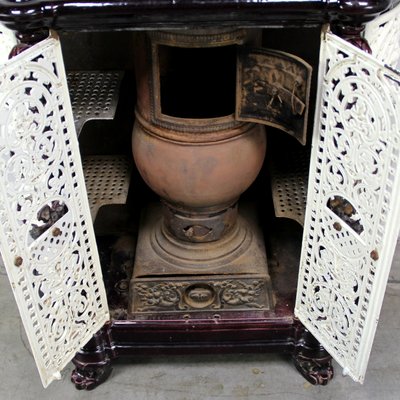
x: 353, y: 210
x: 46, y: 234
x: 273, y: 88
x: 383, y: 35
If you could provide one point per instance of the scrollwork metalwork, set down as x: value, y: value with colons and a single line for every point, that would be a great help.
x: 383, y: 35
x: 45, y: 219
x: 352, y: 209
x: 212, y: 295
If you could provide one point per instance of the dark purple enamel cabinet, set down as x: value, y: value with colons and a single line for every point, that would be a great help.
x: 131, y: 14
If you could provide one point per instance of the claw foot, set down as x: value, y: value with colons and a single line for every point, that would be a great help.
x: 317, y: 372
x: 91, y: 377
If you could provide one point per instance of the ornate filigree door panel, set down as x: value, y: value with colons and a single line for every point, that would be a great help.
x: 353, y: 214
x: 383, y: 35
x: 46, y: 234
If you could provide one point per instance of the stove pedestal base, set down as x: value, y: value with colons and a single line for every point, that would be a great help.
x: 177, y: 279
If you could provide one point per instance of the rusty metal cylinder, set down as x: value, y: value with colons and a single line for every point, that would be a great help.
x: 200, y: 182
x: 198, y: 166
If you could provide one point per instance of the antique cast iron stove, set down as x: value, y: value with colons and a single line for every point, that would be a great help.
x: 193, y: 256
x: 197, y: 253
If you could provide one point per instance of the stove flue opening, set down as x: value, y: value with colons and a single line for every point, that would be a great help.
x: 197, y: 82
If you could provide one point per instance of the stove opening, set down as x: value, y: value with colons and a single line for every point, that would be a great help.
x: 197, y: 82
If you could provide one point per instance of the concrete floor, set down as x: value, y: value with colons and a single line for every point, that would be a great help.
x: 261, y: 376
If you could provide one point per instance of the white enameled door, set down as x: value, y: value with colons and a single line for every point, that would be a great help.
x: 46, y: 234
x: 383, y: 35
x: 353, y: 209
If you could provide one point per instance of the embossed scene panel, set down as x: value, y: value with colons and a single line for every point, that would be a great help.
x: 218, y: 294
x: 353, y: 214
x: 273, y: 89
x: 46, y: 234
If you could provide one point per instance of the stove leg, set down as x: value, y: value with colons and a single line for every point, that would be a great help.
x: 354, y: 35
x: 312, y: 360
x: 92, y: 363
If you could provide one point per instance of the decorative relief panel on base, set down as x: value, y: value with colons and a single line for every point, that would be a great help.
x: 214, y: 293
x: 353, y: 212
x: 383, y: 35
x: 46, y: 234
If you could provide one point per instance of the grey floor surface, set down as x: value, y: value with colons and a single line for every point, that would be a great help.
x: 263, y: 376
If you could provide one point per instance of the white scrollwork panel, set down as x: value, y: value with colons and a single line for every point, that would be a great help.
x: 383, y: 36
x: 353, y: 210
x: 7, y: 42
x: 46, y: 234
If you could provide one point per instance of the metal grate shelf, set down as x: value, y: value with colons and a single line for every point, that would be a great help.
x: 107, y: 180
x: 94, y: 95
x: 289, y: 179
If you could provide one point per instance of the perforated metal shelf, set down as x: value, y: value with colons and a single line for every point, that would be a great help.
x: 107, y: 180
x: 94, y: 95
x: 289, y: 179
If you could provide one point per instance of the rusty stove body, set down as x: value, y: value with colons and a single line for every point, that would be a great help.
x: 197, y: 143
